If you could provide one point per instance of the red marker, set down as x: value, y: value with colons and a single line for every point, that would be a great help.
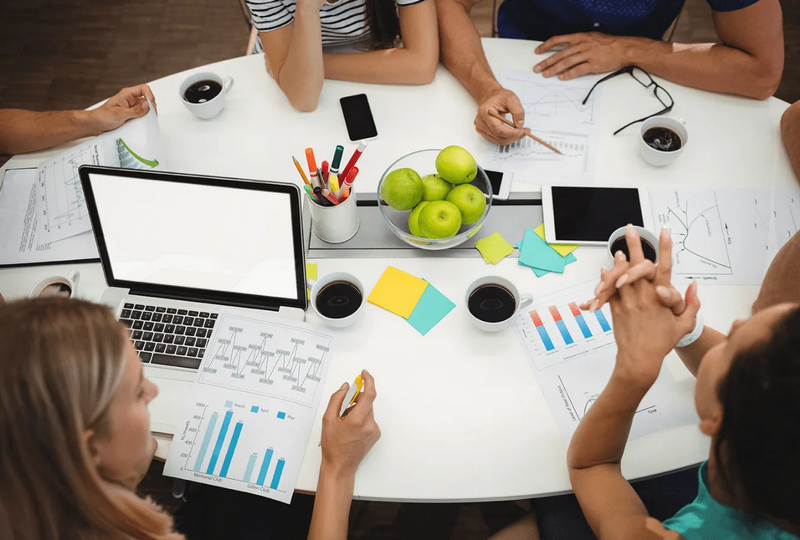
x: 348, y: 182
x: 330, y: 196
x: 325, y: 170
x: 357, y: 154
x: 312, y: 166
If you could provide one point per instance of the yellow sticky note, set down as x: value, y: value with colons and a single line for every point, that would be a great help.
x: 561, y: 249
x: 311, y: 273
x: 398, y: 292
x: 494, y: 248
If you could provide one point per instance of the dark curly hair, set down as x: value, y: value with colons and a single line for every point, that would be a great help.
x: 758, y: 443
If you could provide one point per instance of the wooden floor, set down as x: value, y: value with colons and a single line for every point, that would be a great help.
x: 59, y: 54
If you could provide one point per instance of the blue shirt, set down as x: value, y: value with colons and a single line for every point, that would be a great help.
x: 706, y: 518
x: 542, y: 19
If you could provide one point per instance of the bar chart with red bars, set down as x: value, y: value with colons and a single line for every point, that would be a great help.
x: 556, y: 327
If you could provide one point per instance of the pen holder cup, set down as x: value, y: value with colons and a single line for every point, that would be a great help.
x: 335, y: 224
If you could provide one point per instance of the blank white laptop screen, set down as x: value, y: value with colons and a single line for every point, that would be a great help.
x: 205, y: 237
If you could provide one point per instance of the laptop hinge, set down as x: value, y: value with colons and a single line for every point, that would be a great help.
x: 219, y: 301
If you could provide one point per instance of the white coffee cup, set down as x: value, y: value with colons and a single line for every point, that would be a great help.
x: 318, y: 285
x: 651, y: 238
x: 521, y: 301
x: 212, y: 107
x: 64, y: 286
x: 660, y: 158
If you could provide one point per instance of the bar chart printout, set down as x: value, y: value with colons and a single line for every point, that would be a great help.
x: 574, y: 353
x: 243, y: 440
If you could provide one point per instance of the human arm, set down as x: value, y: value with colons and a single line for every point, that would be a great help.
x: 345, y: 442
x: 462, y: 53
x: 645, y: 332
x: 27, y: 131
x: 413, y: 63
x: 749, y: 62
x: 790, y: 133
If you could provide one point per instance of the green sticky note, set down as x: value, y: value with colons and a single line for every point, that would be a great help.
x: 537, y: 253
x: 494, y: 248
x: 432, y: 307
x: 311, y: 273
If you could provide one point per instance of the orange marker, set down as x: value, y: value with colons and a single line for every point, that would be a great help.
x: 312, y: 166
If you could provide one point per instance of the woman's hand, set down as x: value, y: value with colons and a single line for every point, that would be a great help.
x: 624, y: 272
x: 347, y: 439
x: 645, y: 330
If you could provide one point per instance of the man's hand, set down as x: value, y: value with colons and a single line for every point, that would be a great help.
x: 501, y: 101
x: 591, y: 52
x: 128, y: 103
x: 346, y: 440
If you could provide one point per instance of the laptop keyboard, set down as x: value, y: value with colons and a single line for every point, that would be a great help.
x: 168, y: 336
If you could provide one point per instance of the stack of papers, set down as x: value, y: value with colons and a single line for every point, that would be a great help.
x: 412, y: 298
x: 540, y: 256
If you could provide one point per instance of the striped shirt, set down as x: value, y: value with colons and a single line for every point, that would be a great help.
x: 343, y: 21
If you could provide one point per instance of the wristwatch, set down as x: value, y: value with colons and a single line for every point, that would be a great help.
x: 694, y: 335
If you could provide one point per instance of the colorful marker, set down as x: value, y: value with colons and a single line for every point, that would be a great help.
x: 322, y: 200
x: 325, y: 170
x: 310, y: 193
x: 337, y: 159
x: 330, y: 196
x: 348, y: 182
x: 354, y: 158
x: 312, y: 166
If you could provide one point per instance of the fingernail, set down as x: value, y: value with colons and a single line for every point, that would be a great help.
x: 622, y: 281
x: 145, y: 106
x: 603, y: 271
x: 619, y: 256
x: 344, y: 385
x: 599, y: 288
x: 562, y: 77
x: 663, y: 292
x: 520, y: 123
x: 537, y: 69
x: 595, y: 305
x: 629, y: 229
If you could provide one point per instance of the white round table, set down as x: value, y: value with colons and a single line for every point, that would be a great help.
x: 461, y: 414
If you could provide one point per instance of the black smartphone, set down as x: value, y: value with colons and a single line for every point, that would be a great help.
x: 358, y: 117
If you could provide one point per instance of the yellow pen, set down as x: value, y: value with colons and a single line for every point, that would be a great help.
x: 352, y: 394
x: 333, y: 182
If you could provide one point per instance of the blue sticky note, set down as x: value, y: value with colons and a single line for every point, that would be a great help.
x: 537, y: 253
x: 432, y: 307
x: 570, y: 258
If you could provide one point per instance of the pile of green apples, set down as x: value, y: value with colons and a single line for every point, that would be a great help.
x: 440, y: 203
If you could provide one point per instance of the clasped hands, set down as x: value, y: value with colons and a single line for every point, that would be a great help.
x: 650, y: 316
x: 591, y: 52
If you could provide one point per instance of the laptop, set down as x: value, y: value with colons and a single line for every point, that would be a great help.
x: 176, y: 248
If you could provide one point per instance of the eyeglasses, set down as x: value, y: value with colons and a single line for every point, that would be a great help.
x: 643, y: 78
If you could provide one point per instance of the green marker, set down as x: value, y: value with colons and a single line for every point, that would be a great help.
x: 337, y: 159
x: 310, y: 193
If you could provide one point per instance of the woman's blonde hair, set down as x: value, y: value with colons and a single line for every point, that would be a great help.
x: 61, y: 362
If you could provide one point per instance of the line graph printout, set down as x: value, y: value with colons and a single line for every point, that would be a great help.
x: 554, y: 111
x: 61, y: 211
x: 247, y: 421
x: 726, y: 236
x: 574, y: 353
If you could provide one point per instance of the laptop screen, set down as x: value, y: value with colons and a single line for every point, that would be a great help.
x: 215, y: 235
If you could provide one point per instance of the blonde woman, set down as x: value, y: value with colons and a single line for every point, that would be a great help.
x: 75, y: 431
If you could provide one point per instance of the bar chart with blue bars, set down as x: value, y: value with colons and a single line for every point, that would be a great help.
x: 239, y: 443
x: 557, y: 329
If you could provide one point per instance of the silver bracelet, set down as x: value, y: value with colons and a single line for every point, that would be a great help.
x: 694, y: 335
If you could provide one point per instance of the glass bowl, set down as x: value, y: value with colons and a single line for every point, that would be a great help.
x: 424, y: 162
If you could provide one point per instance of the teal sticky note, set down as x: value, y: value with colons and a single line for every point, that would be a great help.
x: 570, y: 258
x: 537, y: 253
x: 432, y: 307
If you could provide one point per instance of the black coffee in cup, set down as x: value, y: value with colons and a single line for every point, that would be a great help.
x: 202, y: 91
x: 338, y: 299
x: 663, y: 139
x: 620, y: 244
x: 492, y: 303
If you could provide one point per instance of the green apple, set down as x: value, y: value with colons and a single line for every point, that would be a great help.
x: 402, y: 189
x: 470, y: 202
x: 435, y: 188
x: 456, y: 165
x: 440, y: 219
x: 413, y: 219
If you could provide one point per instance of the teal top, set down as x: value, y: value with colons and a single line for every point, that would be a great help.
x: 705, y: 518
